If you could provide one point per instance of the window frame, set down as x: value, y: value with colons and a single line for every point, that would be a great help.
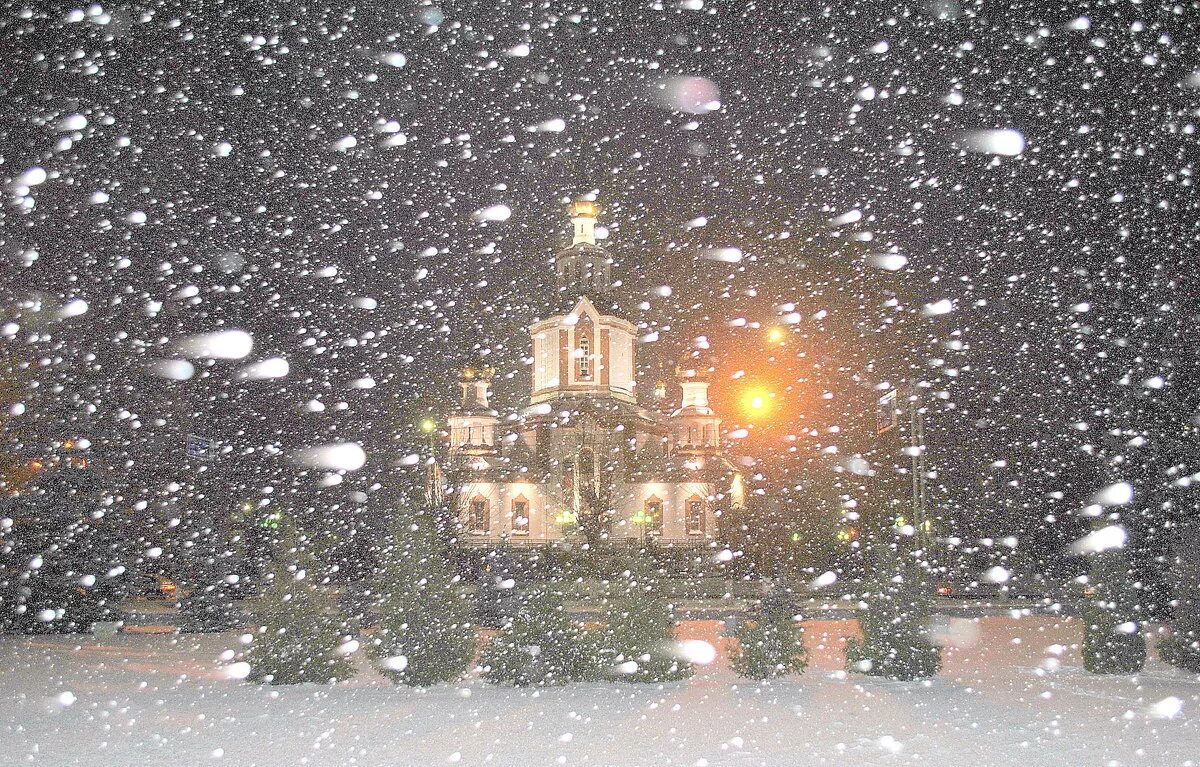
x: 691, y: 503
x: 583, y: 367
x: 523, y: 502
x: 653, y: 509
x: 473, y: 517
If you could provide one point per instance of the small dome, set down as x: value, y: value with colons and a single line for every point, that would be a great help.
x: 585, y: 207
x: 696, y: 365
x: 477, y: 371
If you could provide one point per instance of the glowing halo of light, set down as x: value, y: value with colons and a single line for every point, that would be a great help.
x: 757, y: 401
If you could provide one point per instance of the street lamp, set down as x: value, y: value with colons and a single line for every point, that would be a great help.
x: 566, y: 518
x: 757, y: 401
x: 429, y: 427
x: 642, y: 520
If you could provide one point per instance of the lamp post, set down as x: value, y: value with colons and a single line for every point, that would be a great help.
x: 566, y: 519
x: 433, y: 475
x: 642, y: 520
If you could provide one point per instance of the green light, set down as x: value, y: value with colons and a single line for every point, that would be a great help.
x: 641, y: 518
x: 566, y: 518
x: 271, y: 521
x: 428, y: 425
x: 843, y: 535
x: 795, y: 537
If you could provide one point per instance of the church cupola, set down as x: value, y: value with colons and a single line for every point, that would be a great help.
x: 584, y: 268
x: 583, y: 216
x: 696, y: 425
x: 475, y: 380
x: 473, y: 427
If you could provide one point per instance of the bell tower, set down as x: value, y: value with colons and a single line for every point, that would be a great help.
x: 584, y: 268
x: 583, y: 216
x: 473, y: 425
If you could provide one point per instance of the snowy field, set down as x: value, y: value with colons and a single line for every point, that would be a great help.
x: 1012, y: 692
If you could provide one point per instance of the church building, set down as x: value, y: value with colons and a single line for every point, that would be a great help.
x: 590, y: 457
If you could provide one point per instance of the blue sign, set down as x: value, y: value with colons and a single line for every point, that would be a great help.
x: 199, y: 447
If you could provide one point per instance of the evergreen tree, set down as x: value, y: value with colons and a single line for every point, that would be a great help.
x: 300, y: 633
x: 425, y: 634
x: 1113, y: 642
x: 1182, y: 647
x: 494, y: 593
x: 895, y: 622
x: 540, y: 645
x: 771, y: 642
x: 639, y: 641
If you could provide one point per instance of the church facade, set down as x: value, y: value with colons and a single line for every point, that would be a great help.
x: 588, y: 458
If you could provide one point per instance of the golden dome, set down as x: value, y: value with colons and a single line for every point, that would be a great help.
x: 478, y: 371
x: 585, y: 208
x: 695, y: 365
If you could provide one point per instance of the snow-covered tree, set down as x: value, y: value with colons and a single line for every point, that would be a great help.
x: 1113, y: 642
x: 425, y: 635
x: 771, y: 642
x: 540, y: 644
x: 1182, y: 647
x: 894, y: 619
x: 638, y: 639
x: 300, y: 636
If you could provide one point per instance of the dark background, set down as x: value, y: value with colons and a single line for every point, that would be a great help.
x: 1038, y: 402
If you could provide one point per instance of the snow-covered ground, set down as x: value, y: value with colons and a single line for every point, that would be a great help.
x: 1011, y: 692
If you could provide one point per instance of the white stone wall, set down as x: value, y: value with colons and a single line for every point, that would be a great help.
x: 500, y: 495
x: 629, y: 500
x: 632, y: 499
x: 545, y: 359
x: 621, y: 365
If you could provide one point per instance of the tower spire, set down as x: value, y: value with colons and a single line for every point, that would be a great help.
x: 583, y: 216
x: 584, y: 268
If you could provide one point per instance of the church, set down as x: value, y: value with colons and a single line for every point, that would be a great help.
x: 590, y: 458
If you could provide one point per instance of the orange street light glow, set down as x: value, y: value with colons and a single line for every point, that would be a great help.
x: 757, y: 401
x: 776, y: 335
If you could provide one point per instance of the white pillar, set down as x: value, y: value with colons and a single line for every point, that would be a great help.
x: 695, y: 395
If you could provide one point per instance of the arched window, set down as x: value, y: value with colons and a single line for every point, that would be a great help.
x: 585, y: 359
x: 478, y: 518
x: 653, y: 511
x: 694, y: 515
x: 520, y: 516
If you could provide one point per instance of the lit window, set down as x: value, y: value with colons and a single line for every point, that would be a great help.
x: 520, y: 517
x: 654, y: 516
x: 585, y: 359
x: 695, y: 516
x: 478, y: 520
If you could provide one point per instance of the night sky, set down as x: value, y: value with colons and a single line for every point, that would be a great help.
x: 312, y: 176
